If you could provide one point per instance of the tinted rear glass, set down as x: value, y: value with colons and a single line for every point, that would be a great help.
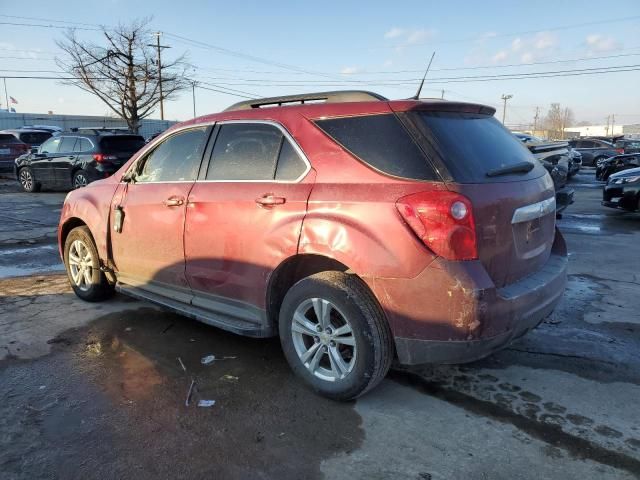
x: 34, y: 138
x: 381, y: 142
x: 8, y: 138
x: 122, y: 143
x: 471, y: 145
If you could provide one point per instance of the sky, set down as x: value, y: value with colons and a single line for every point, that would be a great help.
x: 279, y: 48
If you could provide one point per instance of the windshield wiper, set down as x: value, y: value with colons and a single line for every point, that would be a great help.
x: 521, y: 167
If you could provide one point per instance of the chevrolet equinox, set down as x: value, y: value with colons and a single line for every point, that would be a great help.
x: 360, y: 230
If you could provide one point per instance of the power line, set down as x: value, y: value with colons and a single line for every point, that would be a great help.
x: 39, y: 19
x: 513, y: 34
x: 16, y: 24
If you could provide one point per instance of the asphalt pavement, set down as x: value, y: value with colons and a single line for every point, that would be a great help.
x: 101, y: 390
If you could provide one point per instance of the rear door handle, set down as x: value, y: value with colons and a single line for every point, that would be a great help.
x: 173, y: 202
x: 270, y: 200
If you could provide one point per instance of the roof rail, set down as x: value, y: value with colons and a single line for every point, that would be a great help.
x: 319, y: 97
x: 99, y: 130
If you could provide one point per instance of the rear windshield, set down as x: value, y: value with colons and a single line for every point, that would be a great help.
x: 122, y: 143
x: 381, y: 142
x: 471, y: 144
x: 8, y: 138
x: 34, y: 138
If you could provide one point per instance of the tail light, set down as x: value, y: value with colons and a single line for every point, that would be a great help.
x: 102, y: 158
x: 620, y: 150
x: 443, y: 221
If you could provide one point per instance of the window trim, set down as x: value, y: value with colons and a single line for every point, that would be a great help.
x: 285, y: 134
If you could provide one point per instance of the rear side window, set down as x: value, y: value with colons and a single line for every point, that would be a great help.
x: 471, y: 145
x: 245, y: 152
x: 83, y: 145
x: 290, y: 165
x: 34, y: 138
x: 381, y: 142
x: 67, y: 144
x: 122, y: 143
x: 8, y: 138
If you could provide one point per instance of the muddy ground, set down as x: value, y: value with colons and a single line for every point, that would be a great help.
x: 99, y: 390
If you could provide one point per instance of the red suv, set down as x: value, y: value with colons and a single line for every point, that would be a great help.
x: 358, y: 229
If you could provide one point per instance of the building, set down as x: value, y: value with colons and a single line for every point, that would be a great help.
x: 148, y: 127
x: 595, y: 131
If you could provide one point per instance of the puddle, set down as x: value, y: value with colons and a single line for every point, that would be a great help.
x: 29, y: 260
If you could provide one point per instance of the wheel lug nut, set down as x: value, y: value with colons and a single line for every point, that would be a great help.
x: 318, y: 329
x: 332, y: 343
x: 328, y: 330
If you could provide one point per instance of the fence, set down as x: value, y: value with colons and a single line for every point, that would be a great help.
x: 16, y: 120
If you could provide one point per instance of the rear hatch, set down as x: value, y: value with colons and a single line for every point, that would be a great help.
x: 511, y: 193
x: 11, y: 147
x: 120, y: 147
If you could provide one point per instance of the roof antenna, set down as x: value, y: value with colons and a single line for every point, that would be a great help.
x: 417, y: 95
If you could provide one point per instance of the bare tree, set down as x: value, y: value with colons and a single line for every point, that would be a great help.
x: 557, y: 120
x: 123, y: 72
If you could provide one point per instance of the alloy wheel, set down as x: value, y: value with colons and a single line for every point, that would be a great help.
x: 26, y: 179
x: 80, y: 181
x: 323, y: 339
x: 80, y: 265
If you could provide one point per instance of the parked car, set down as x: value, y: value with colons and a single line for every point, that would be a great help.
x: 593, y: 149
x: 75, y: 159
x: 356, y: 228
x: 609, y: 166
x: 54, y: 130
x: 557, y: 159
x: 623, y: 190
x: 16, y: 142
x: 575, y: 162
x: 628, y: 145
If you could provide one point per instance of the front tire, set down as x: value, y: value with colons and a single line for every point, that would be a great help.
x: 82, y: 263
x: 334, y: 335
x: 27, y: 180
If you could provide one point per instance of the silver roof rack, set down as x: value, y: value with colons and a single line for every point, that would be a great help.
x: 318, y: 97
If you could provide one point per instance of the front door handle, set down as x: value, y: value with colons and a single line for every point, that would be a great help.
x: 270, y: 200
x: 173, y: 202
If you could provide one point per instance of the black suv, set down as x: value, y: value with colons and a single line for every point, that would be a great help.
x: 74, y: 159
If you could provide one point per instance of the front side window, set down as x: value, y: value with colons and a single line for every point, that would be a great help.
x: 176, y: 159
x: 51, y: 145
x: 245, y: 151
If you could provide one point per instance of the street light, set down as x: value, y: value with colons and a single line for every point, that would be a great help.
x: 504, y: 108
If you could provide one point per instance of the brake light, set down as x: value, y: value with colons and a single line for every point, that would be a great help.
x: 620, y: 150
x: 102, y: 158
x: 443, y: 221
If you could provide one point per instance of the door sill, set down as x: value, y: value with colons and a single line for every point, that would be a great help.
x: 215, y: 319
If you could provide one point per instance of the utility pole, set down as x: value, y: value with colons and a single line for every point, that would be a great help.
x: 159, y: 47
x: 193, y: 93
x: 6, y: 97
x: 613, y: 122
x: 504, y: 109
x: 607, y: 129
x: 535, y: 120
x: 442, y: 96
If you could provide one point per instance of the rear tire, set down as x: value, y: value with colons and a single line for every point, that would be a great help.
x: 82, y: 263
x: 27, y: 180
x: 335, y: 335
x: 80, y: 179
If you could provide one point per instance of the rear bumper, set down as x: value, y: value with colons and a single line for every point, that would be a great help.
x: 462, y: 316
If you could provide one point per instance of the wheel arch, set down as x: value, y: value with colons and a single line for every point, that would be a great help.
x: 292, y: 270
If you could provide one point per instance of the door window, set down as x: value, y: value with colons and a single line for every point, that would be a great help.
x: 175, y: 159
x: 50, y: 146
x: 82, y: 145
x: 586, y: 144
x: 67, y: 144
x: 290, y: 165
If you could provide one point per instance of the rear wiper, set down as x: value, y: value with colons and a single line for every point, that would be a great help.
x: 522, y: 167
